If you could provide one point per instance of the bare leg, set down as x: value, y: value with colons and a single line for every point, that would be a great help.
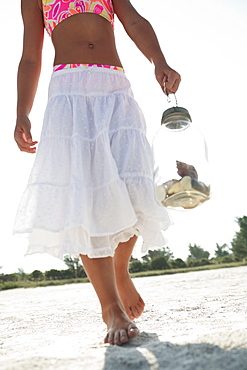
x: 131, y: 299
x: 101, y: 273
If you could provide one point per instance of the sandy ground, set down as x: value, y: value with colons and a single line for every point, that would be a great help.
x: 196, y: 320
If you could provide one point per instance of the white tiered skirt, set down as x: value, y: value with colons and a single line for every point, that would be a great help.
x: 91, y: 185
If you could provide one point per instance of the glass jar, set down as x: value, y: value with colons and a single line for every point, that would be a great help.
x: 181, y: 163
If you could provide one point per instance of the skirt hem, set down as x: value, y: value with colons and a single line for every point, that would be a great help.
x: 76, y: 241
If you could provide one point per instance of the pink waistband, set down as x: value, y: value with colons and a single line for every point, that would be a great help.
x: 60, y: 67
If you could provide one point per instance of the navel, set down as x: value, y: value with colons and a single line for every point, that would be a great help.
x: 91, y: 46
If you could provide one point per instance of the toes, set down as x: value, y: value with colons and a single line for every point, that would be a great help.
x: 110, y: 338
x: 120, y: 337
x: 106, y: 339
x: 123, y: 337
x: 131, y: 314
x: 133, y: 331
x: 117, y: 337
x: 135, y: 312
x: 140, y: 307
x: 141, y: 301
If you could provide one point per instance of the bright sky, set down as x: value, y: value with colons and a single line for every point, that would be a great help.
x: 206, y: 42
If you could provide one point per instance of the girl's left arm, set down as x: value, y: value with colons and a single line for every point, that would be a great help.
x: 143, y: 35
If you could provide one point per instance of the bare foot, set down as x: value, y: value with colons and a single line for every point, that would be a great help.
x: 131, y: 299
x: 120, y: 328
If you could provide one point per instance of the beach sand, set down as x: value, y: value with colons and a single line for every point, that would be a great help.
x: 194, y: 321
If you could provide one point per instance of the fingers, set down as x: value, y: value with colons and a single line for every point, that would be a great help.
x: 171, y: 86
x: 25, y: 142
x: 171, y: 83
x: 168, y: 79
x: 23, y: 135
x: 27, y: 149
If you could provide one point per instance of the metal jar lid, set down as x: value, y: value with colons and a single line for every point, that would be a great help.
x: 175, y: 113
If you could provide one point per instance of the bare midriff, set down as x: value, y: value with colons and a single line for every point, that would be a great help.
x: 85, y: 38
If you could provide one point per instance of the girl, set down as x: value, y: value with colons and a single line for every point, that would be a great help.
x: 91, y: 190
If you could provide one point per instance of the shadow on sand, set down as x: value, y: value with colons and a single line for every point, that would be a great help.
x: 146, y: 352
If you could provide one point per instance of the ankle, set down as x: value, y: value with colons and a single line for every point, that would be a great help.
x: 112, y: 309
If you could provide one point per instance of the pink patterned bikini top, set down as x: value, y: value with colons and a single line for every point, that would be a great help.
x: 55, y: 11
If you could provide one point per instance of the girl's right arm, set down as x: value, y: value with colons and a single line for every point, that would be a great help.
x: 28, y: 72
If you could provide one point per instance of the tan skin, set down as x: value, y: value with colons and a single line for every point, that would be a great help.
x: 89, y: 38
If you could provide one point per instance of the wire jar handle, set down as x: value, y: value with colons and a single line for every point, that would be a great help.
x: 168, y: 96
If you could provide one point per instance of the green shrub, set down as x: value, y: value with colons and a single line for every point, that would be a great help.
x: 9, y: 277
x: 145, y: 266
x: 53, y: 274
x: 200, y: 262
x: 81, y: 273
x: 177, y: 263
x: 227, y: 259
x: 204, y: 262
x: 67, y: 274
x: 159, y: 263
x: 136, y: 266
x: 36, y: 275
